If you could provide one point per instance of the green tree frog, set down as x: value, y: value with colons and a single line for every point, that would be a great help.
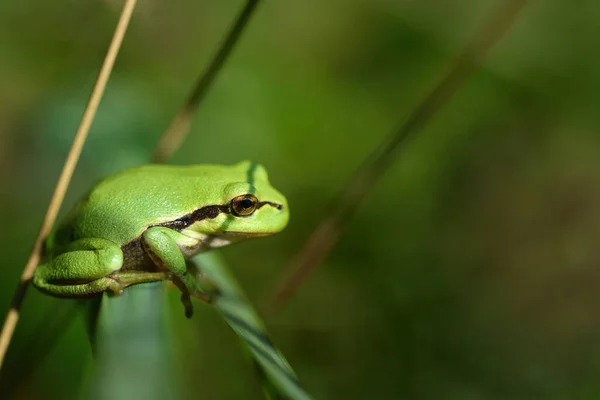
x: 144, y: 223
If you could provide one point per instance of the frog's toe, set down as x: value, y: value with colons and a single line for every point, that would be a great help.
x: 187, y: 304
x: 116, y: 287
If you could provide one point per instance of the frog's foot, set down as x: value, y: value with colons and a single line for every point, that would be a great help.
x: 165, y: 247
x: 185, y: 295
x: 122, y: 280
x: 201, y: 286
x: 206, y: 289
x: 115, y: 287
x: 197, y: 286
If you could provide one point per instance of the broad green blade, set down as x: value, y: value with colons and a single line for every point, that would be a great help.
x: 133, y: 343
x: 133, y: 347
x: 240, y: 315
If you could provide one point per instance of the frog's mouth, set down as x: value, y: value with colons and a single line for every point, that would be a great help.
x: 221, y: 239
x: 270, y: 203
x: 241, y: 235
x: 225, y: 238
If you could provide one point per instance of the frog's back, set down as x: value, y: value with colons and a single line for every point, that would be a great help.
x: 120, y: 207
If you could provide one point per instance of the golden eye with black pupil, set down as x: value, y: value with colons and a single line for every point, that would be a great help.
x: 244, y: 205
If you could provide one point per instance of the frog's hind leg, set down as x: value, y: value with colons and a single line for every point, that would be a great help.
x: 83, y: 270
x: 81, y: 290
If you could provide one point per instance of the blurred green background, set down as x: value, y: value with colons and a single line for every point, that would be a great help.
x: 470, y: 273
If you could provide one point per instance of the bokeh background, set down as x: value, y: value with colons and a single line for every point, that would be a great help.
x: 471, y: 272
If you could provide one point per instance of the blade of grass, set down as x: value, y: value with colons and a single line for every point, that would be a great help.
x: 341, y: 209
x: 131, y: 338
x: 243, y: 319
x: 171, y: 140
x: 12, y: 316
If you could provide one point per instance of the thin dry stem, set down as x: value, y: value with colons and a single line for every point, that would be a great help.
x: 63, y: 182
x: 325, y: 235
x: 172, y: 138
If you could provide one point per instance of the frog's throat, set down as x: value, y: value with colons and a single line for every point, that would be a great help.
x: 221, y: 239
x: 207, y: 241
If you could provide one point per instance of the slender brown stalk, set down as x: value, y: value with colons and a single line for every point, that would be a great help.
x: 63, y: 182
x: 325, y: 235
x: 171, y: 140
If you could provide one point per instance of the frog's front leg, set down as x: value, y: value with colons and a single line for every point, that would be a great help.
x: 166, y: 248
x: 82, y: 270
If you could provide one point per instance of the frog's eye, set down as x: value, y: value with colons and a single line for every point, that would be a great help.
x: 244, y: 205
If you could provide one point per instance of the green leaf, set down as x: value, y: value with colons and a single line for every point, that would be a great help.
x: 279, y: 378
x: 132, y: 346
x: 132, y: 341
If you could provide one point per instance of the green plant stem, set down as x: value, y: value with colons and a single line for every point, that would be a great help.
x: 133, y: 348
x: 279, y: 380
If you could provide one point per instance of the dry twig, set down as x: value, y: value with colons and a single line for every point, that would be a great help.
x: 325, y: 235
x: 172, y: 138
x: 12, y: 317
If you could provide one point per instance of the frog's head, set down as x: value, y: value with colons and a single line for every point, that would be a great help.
x: 243, y: 205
